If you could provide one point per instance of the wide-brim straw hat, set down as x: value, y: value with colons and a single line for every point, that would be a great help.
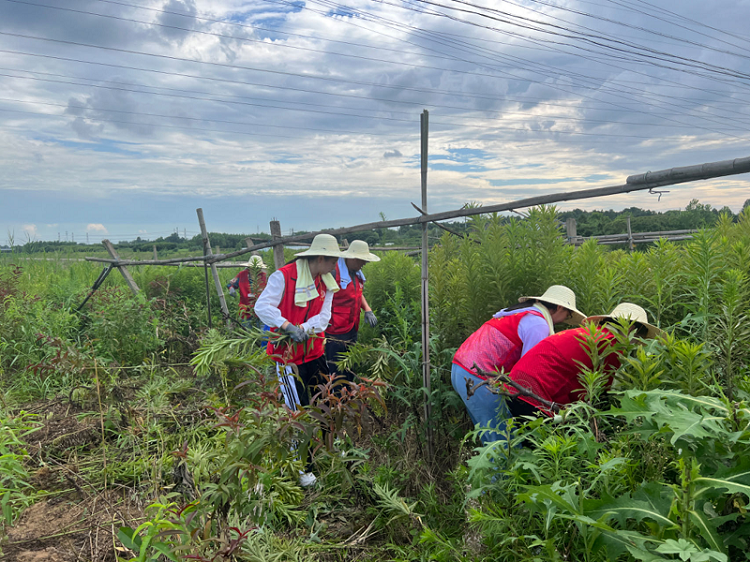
x: 631, y: 311
x: 359, y: 250
x: 560, y: 294
x: 322, y: 245
x: 256, y: 261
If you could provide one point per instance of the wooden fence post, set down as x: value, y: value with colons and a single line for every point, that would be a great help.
x: 571, y: 231
x: 631, y: 246
x: 278, y: 249
x: 124, y: 270
x: 156, y: 256
x: 214, y: 270
x: 424, y: 123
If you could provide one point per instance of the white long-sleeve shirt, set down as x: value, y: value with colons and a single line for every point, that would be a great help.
x: 267, y: 306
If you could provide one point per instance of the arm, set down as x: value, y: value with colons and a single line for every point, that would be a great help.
x: 319, y: 322
x: 532, y: 329
x: 365, y: 306
x: 267, y: 305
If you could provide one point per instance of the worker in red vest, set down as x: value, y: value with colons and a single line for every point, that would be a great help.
x: 551, y: 370
x: 297, y: 300
x: 500, y: 342
x: 249, y: 288
x: 348, y: 304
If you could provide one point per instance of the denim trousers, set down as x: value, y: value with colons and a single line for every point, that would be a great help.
x: 485, y: 408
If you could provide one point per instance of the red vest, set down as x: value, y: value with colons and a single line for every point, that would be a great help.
x: 494, y: 346
x: 298, y: 353
x: 551, y: 369
x: 347, y: 304
x: 247, y: 296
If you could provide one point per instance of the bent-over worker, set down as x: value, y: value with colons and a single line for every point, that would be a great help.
x: 500, y: 342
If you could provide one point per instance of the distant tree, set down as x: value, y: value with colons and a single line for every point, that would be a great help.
x: 746, y: 205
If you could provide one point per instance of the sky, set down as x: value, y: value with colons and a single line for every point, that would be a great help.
x: 119, y: 118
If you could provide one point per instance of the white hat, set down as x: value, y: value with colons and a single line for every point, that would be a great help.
x: 323, y: 245
x: 632, y: 312
x: 359, y: 250
x: 560, y: 294
x: 256, y: 261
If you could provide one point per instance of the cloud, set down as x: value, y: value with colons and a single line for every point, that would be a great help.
x: 30, y: 231
x: 141, y: 231
x: 249, y: 120
x: 96, y: 227
x: 178, y: 14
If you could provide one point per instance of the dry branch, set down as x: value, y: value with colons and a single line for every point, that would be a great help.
x: 471, y: 388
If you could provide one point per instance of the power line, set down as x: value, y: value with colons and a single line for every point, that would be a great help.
x: 239, y: 38
x: 110, y: 110
x: 229, y: 101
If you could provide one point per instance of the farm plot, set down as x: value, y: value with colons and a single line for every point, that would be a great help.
x: 134, y: 432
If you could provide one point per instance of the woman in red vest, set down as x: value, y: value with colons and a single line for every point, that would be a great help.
x: 297, y: 299
x: 348, y: 304
x: 500, y: 342
x: 249, y: 289
x: 552, y: 369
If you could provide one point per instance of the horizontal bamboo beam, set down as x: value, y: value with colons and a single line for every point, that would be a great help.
x: 639, y: 182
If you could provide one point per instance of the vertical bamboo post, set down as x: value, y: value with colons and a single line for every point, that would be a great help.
x: 571, y: 230
x: 156, y: 256
x: 631, y: 245
x: 248, y: 242
x: 124, y: 270
x: 278, y: 249
x: 424, y: 122
x: 214, y: 270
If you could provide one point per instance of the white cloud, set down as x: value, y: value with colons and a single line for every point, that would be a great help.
x: 30, y: 230
x: 142, y: 231
x: 96, y: 227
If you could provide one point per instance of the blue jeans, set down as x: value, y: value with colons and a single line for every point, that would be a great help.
x: 484, y: 407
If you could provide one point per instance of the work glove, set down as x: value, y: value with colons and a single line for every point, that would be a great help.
x: 370, y: 318
x: 297, y: 334
x: 232, y: 291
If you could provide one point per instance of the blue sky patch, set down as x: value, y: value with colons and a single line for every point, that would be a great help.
x: 103, y: 145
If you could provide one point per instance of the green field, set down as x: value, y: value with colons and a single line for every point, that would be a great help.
x: 132, y: 431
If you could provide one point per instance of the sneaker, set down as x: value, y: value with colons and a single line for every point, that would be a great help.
x: 307, y: 479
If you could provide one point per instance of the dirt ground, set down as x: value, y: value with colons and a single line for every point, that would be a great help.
x: 76, y: 522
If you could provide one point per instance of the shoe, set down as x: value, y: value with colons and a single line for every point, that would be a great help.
x: 307, y: 479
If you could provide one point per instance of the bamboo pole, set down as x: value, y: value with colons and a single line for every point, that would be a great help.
x: 633, y: 183
x: 424, y: 122
x: 214, y: 272
x: 123, y: 270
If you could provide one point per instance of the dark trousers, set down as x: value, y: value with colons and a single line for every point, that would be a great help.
x: 336, y: 345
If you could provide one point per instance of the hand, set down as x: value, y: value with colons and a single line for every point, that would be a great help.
x: 297, y: 334
x: 370, y: 318
x: 232, y: 291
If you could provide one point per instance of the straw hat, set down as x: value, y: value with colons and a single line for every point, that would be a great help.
x: 256, y: 261
x: 631, y: 311
x: 560, y: 294
x: 322, y: 245
x: 359, y: 250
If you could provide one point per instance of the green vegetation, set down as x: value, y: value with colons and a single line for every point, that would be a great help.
x: 131, y: 430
